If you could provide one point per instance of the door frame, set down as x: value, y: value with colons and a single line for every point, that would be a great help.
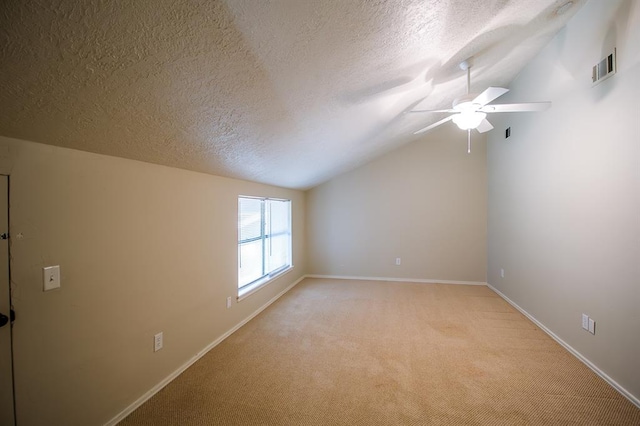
x: 12, y: 415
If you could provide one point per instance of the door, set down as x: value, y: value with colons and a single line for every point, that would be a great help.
x: 7, y: 415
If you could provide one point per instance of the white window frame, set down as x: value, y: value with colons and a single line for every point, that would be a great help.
x: 255, y: 285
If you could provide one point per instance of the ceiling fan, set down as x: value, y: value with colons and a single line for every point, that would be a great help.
x: 470, y: 111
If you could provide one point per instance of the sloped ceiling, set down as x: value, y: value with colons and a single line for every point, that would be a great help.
x: 287, y: 92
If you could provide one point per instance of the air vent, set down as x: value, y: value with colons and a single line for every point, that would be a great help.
x: 604, y: 69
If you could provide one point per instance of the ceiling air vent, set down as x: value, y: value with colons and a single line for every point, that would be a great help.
x: 604, y: 69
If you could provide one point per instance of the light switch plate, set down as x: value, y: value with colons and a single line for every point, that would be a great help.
x: 585, y: 322
x: 50, y: 278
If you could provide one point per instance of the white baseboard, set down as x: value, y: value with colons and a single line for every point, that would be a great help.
x: 574, y: 352
x: 404, y: 280
x: 144, y: 398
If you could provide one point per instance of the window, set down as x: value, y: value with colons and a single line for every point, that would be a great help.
x: 264, y: 241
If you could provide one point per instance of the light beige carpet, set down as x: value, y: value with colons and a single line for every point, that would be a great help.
x: 378, y: 353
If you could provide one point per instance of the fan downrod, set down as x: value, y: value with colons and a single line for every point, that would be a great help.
x: 466, y: 66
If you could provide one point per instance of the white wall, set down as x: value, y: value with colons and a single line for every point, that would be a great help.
x: 142, y: 249
x: 424, y: 203
x: 564, y: 191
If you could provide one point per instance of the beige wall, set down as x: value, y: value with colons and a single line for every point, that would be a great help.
x: 142, y: 249
x: 564, y: 191
x: 424, y: 203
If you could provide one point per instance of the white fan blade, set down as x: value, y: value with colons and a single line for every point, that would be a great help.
x: 524, y: 107
x: 484, y: 126
x: 490, y: 94
x: 436, y: 124
x: 433, y: 110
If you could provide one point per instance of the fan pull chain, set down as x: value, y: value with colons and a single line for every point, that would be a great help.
x: 469, y: 141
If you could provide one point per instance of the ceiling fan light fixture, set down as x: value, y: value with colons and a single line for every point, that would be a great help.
x: 469, y: 120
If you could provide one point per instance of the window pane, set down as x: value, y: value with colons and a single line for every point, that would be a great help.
x: 250, y: 255
x: 278, y: 229
x: 278, y: 253
x: 278, y: 219
x: 250, y: 218
x: 264, y: 238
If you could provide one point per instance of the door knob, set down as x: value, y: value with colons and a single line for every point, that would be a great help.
x: 3, y: 320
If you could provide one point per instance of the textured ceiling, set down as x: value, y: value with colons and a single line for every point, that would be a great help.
x: 287, y: 92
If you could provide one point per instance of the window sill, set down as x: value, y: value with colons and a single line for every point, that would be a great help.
x: 247, y: 291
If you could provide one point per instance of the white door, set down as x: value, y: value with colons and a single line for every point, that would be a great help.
x: 7, y: 416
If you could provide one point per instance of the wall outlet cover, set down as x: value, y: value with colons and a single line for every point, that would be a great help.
x: 158, y: 341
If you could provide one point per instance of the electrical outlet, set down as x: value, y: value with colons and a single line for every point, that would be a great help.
x: 228, y: 302
x: 158, y: 342
x: 398, y: 261
x: 592, y: 326
x: 501, y: 273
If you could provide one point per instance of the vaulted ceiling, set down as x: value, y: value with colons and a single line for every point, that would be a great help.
x: 289, y: 92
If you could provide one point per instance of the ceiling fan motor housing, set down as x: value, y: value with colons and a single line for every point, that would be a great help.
x: 465, y: 103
